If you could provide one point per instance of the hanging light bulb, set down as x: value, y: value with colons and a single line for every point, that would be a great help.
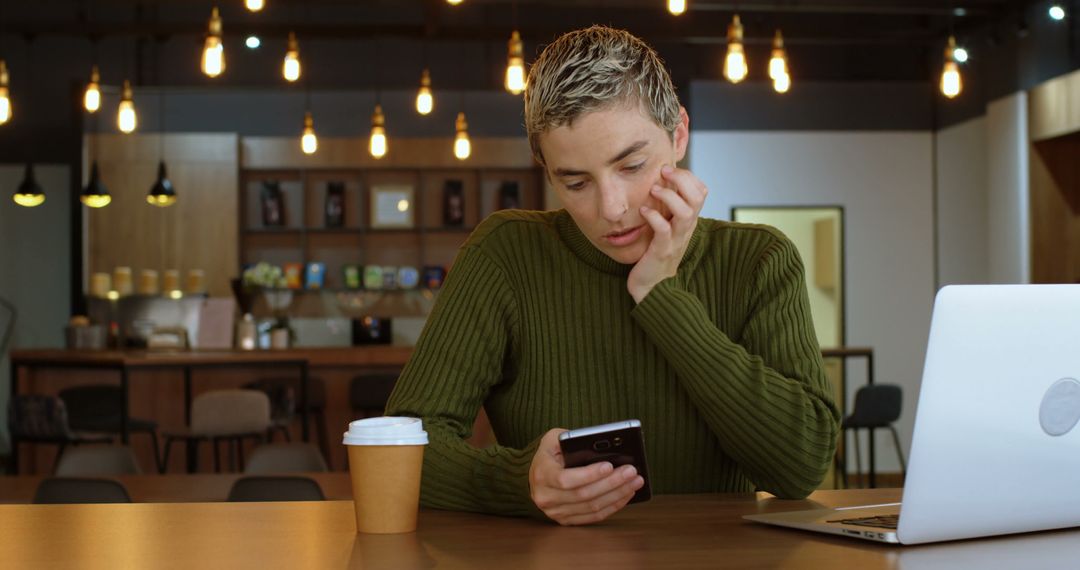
x: 95, y: 195
x: 309, y: 143
x: 290, y: 69
x: 5, y: 101
x: 377, y: 144
x: 161, y: 193
x: 453, y: 2
x: 778, y: 67
x: 778, y: 61
x: 254, y: 5
x: 676, y: 7
x: 515, y: 65
x: 213, y: 55
x: 462, y: 146
x: 126, y: 119
x: 425, y: 102
x: 29, y: 192
x: 92, y: 97
x: 782, y: 83
x: 735, y: 67
x: 950, y: 74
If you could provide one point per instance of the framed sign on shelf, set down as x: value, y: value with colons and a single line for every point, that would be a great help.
x: 392, y: 207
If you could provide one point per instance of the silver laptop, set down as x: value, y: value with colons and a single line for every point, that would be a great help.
x: 996, y: 447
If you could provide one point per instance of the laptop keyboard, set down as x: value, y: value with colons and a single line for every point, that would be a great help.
x: 883, y: 521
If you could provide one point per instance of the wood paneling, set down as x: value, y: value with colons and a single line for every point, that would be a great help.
x: 198, y: 232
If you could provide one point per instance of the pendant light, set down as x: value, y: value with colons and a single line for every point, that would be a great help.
x: 676, y: 7
x: 778, y: 65
x: 735, y: 67
x: 95, y: 195
x: 951, y: 84
x: 377, y: 144
x: 309, y: 143
x: 162, y: 193
x: 254, y: 5
x: 453, y: 2
x: 126, y: 119
x: 462, y: 146
x: 92, y: 96
x: 425, y: 101
x: 515, y: 65
x: 213, y: 56
x: 290, y: 68
x: 29, y: 193
x: 5, y: 99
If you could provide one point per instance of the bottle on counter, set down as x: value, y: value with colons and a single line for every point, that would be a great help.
x: 245, y: 332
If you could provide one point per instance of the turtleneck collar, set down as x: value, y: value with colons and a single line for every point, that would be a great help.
x: 578, y: 243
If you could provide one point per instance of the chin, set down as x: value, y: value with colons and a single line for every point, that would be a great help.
x: 625, y: 255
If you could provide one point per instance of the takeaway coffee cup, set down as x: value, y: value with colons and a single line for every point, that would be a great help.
x: 385, y: 458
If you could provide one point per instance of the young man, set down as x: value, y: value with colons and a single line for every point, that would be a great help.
x: 622, y: 305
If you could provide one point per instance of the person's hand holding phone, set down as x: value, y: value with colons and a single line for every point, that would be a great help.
x: 578, y: 495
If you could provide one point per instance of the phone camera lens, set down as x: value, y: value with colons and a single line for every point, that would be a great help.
x: 617, y: 441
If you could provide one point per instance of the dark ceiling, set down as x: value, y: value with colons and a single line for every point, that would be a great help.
x: 828, y: 40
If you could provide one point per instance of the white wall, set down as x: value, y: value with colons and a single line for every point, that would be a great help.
x: 962, y: 202
x: 34, y: 265
x: 884, y: 182
x: 1007, y: 186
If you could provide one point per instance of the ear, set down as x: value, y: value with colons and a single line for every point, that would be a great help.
x: 681, y: 135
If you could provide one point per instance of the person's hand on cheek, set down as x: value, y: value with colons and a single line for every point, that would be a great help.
x: 682, y: 195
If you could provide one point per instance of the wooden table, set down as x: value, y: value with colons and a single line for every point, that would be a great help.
x: 174, y: 488
x: 689, y: 531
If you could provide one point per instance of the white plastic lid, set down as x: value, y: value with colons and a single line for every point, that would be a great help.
x: 386, y: 430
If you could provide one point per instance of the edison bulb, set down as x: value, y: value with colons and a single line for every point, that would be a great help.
x: 92, y: 97
x: 254, y: 5
x: 676, y: 7
x: 290, y: 68
x: 126, y: 119
x: 309, y: 143
x: 950, y: 80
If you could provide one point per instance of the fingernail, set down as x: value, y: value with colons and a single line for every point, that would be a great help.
x: 606, y: 467
x: 639, y: 483
x: 629, y: 471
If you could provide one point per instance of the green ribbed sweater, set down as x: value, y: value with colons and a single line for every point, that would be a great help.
x: 720, y: 363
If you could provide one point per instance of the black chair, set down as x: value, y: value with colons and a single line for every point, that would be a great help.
x: 283, y: 404
x: 369, y: 392
x: 98, y: 408
x: 231, y: 416
x: 42, y: 419
x: 289, y: 488
x: 68, y: 490
x: 876, y: 406
x: 277, y: 458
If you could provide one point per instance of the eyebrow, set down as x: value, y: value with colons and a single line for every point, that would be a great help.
x: 560, y: 172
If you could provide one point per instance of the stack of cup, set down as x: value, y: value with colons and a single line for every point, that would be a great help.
x: 386, y: 456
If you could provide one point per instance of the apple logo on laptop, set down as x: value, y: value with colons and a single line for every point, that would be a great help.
x: 1060, y: 408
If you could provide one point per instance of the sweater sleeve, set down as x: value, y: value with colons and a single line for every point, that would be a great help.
x: 458, y: 358
x: 766, y: 398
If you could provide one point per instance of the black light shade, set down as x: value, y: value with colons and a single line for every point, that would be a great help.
x: 95, y: 195
x: 162, y: 193
x: 29, y: 192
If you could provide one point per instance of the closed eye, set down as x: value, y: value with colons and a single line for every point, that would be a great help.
x: 575, y: 185
x: 633, y: 167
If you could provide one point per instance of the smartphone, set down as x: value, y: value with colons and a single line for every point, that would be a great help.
x: 620, y: 443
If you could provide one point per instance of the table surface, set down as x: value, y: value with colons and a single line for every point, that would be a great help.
x: 687, y: 531
x: 333, y: 356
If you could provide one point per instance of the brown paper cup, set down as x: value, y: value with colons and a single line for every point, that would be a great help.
x: 386, y: 486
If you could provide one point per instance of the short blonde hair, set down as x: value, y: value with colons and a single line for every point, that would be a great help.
x: 586, y: 70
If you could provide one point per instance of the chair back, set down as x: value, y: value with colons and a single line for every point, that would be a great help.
x: 276, y: 458
x: 369, y: 392
x: 97, y: 461
x: 95, y: 407
x: 877, y: 405
x: 230, y: 412
x: 38, y: 417
x: 7, y: 324
x: 261, y: 488
x: 281, y: 394
x: 63, y: 490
